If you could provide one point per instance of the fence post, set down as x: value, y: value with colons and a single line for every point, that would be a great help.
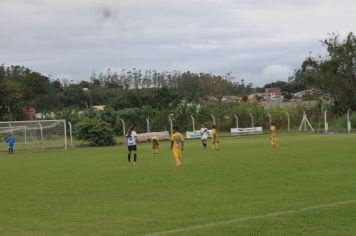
x: 170, y: 122
x: 70, y: 134
x: 288, y: 121
x: 326, y: 126
x: 123, y: 128
x: 237, y: 121
x: 252, y: 125
x: 348, y: 122
x: 191, y: 116
x: 148, y: 125
x: 270, y: 119
x: 65, y: 134
x: 213, y: 117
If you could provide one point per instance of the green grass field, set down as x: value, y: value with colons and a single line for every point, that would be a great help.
x: 305, y: 187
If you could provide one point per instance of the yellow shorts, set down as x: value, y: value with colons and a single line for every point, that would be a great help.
x: 273, y: 140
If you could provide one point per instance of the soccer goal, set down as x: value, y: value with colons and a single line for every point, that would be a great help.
x: 42, y: 134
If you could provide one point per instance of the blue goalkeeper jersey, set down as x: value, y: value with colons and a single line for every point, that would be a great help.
x: 11, y: 141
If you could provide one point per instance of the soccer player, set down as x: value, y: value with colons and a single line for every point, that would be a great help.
x: 204, y: 137
x: 273, y: 136
x: 155, y: 145
x: 11, y: 142
x: 214, y: 139
x: 131, y: 141
x: 177, y: 146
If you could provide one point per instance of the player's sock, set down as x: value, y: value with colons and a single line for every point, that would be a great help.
x: 129, y: 157
x: 135, y: 157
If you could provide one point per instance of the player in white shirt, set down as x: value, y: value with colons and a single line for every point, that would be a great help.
x: 204, y: 134
x: 131, y: 141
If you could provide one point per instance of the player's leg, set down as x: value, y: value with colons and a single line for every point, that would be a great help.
x: 204, y: 143
x: 129, y: 154
x: 156, y: 149
x: 135, y: 153
x: 177, y: 155
x: 273, y: 142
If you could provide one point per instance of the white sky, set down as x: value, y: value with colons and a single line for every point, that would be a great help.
x: 258, y: 41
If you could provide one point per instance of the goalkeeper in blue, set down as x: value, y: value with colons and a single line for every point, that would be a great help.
x: 11, y: 142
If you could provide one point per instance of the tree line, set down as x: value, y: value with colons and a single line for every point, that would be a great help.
x: 334, y: 74
x: 20, y: 88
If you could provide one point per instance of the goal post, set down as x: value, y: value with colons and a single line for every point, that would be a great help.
x: 38, y: 134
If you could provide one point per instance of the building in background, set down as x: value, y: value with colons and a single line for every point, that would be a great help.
x: 30, y: 113
x: 273, y: 96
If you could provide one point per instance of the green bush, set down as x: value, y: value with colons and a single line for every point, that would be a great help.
x: 95, y: 131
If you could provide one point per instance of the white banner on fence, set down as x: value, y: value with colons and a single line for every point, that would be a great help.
x: 246, y: 131
x: 195, y: 134
x: 148, y: 136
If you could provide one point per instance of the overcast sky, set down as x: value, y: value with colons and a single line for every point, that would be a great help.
x: 259, y: 41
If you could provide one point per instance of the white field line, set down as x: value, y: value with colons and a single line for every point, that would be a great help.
x: 236, y: 220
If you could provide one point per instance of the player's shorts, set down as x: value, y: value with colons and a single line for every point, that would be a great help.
x: 155, y: 145
x: 132, y: 148
x: 177, y: 153
x: 273, y: 140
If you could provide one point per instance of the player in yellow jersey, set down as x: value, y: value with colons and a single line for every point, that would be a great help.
x: 155, y: 145
x: 273, y: 136
x: 177, y: 146
x: 214, y: 138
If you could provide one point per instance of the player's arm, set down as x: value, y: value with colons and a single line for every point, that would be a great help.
x: 182, y: 140
x: 171, y: 144
x: 136, y: 138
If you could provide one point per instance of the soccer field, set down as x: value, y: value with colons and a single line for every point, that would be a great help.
x: 307, y: 186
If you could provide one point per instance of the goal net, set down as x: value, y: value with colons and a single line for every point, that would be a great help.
x: 43, y: 134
